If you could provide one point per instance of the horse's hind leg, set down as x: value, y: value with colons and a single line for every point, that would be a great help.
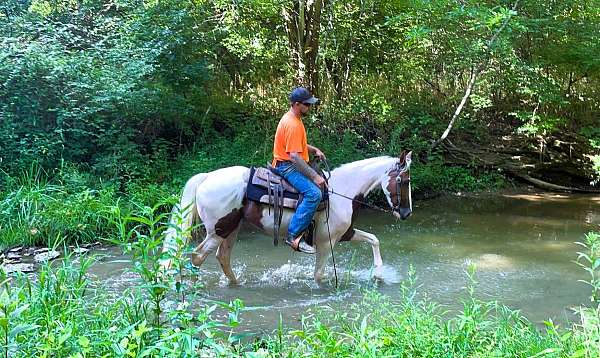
x: 224, y: 230
x: 224, y: 256
x: 360, y: 235
x: 210, y: 244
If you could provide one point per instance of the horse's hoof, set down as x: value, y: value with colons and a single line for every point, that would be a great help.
x: 378, y: 275
x: 196, y: 260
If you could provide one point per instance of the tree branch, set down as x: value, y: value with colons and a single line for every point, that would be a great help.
x: 474, y: 73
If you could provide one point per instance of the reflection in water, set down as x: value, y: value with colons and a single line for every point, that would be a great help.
x: 523, y: 247
x: 492, y: 262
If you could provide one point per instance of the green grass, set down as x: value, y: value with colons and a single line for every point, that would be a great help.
x: 60, y: 314
x: 378, y: 327
x: 37, y: 211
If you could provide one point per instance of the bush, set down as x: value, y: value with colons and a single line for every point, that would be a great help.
x: 378, y: 327
x: 436, y: 177
x: 68, y: 207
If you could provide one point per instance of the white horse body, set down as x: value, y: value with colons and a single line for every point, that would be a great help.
x: 218, y: 198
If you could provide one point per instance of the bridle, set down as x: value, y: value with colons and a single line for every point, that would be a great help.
x: 401, y: 169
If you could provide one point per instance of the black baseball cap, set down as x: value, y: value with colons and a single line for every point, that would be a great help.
x: 301, y: 94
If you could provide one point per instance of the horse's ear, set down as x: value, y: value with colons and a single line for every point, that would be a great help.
x: 402, y: 157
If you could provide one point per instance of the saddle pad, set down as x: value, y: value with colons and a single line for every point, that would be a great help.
x: 257, y: 190
x: 262, y: 176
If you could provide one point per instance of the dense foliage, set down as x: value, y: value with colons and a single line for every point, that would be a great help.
x: 121, y: 88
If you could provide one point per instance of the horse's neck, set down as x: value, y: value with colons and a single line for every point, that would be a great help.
x: 360, y: 177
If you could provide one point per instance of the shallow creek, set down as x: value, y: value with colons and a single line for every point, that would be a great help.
x: 522, y: 245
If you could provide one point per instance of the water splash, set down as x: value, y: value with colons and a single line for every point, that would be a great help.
x: 388, y: 275
x: 289, y: 273
x: 240, y: 273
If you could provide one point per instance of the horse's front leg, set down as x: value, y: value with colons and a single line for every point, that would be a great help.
x: 320, y: 265
x: 323, y: 252
x: 360, y: 235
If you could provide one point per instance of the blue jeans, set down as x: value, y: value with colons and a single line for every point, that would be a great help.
x: 311, y: 197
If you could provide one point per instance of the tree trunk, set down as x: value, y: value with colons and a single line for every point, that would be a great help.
x: 303, y: 25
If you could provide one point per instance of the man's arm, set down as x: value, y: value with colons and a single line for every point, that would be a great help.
x: 303, y: 166
x: 316, y: 152
x: 305, y: 169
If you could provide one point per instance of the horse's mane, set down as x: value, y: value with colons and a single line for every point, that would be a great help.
x: 361, y: 176
x: 364, y: 162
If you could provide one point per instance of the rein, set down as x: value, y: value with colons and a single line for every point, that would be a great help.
x: 362, y: 202
x: 327, y: 221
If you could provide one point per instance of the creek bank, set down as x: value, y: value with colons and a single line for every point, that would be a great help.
x: 561, y: 162
x: 28, y: 259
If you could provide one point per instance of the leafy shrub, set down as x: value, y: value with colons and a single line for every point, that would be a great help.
x: 376, y: 326
x: 36, y: 209
x: 439, y: 178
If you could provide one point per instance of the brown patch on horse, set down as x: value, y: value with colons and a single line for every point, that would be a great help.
x: 355, y: 206
x: 228, y: 223
x: 253, y: 213
x: 348, y: 234
x: 391, y: 187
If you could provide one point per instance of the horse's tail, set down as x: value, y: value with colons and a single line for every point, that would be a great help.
x: 183, y: 217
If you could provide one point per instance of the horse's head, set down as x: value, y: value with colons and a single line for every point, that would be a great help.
x: 396, y: 187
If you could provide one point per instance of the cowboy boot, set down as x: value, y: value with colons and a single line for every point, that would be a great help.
x: 298, y: 244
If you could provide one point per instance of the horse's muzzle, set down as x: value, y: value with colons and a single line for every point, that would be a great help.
x: 403, y: 213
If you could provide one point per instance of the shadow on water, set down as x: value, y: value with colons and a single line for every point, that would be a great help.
x: 523, y: 247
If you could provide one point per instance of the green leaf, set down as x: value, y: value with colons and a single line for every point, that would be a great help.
x: 4, y: 299
x: 17, y: 312
x: 4, y: 323
x: 63, y: 337
x: 565, y: 337
x: 21, y: 328
x: 84, y: 342
x: 580, y: 353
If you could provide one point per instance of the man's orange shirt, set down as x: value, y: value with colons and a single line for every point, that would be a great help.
x: 290, y: 137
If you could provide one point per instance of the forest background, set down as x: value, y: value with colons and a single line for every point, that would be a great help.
x: 126, y: 99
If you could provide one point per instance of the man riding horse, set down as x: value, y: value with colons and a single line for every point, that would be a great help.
x: 290, y: 160
x: 219, y: 200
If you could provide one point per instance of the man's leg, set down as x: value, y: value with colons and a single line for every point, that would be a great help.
x: 306, y: 210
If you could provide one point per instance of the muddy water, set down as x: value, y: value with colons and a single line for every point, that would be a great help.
x: 522, y: 246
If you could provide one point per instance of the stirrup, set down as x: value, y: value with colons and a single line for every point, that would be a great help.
x: 298, y: 244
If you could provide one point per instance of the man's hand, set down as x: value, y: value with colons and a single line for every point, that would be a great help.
x: 316, y: 152
x: 305, y: 169
x: 321, y: 183
x: 319, y: 155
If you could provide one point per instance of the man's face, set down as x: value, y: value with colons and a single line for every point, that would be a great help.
x: 304, y: 107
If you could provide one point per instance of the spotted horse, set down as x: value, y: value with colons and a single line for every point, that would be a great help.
x: 218, y: 200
